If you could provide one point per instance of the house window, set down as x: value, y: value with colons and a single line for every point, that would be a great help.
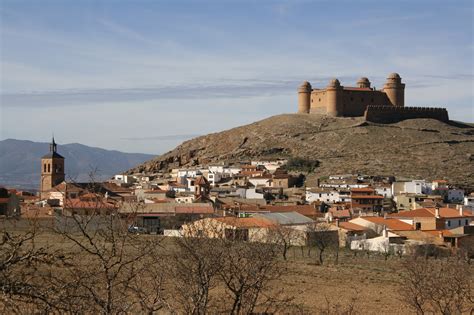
x: 467, y: 222
x: 449, y: 223
x: 418, y: 226
x: 459, y: 223
x: 352, y: 99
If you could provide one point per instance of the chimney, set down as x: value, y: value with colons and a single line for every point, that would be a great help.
x: 385, y: 215
x: 440, y: 234
x: 460, y: 211
x: 437, y: 212
x: 384, y: 231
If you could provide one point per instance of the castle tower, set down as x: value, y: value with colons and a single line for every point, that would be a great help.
x: 363, y: 83
x: 395, y: 90
x: 304, y: 98
x: 52, y: 169
x: 334, y: 98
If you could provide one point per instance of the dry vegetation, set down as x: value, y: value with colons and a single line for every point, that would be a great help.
x: 341, y: 145
x: 96, y: 267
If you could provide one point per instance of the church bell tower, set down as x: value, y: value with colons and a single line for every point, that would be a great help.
x: 52, y: 169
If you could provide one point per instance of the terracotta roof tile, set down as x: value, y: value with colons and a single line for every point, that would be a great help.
x: 431, y: 213
x: 392, y: 224
x: 349, y: 226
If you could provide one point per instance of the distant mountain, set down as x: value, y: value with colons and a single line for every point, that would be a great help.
x: 20, y: 162
x: 414, y: 148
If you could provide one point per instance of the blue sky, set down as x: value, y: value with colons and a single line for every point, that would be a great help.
x: 141, y: 76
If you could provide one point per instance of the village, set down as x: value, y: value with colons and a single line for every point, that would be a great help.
x: 248, y: 201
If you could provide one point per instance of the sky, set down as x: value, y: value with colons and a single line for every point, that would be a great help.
x: 143, y: 76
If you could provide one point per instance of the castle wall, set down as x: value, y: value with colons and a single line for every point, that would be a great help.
x: 355, y: 102
x: 392, y: 114
x: 318, y: 102
x: 350, y: 102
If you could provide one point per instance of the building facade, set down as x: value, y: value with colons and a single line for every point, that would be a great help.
x: 52, y: 170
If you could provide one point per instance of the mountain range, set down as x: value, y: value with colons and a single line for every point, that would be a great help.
x: 20, y: 162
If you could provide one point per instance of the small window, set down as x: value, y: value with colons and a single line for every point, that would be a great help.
x: 44, y: 168
x: 362, y: 99
x: 449, y: 223
x: 418, y: 225
x: 459, y: 223
x: 49, y: 168
x: 372, y: 100
x: 352, y: 99
x: 467, y: 222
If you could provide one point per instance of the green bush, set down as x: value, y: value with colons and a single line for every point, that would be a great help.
x: 298, y: 164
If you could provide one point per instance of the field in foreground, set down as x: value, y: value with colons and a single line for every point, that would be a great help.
x: 358, y: 283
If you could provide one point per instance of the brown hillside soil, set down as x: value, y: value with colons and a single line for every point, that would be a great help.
x: 416, y: 148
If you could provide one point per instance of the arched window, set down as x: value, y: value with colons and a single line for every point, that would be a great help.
x: 49, y: 168
x: 44, y: 168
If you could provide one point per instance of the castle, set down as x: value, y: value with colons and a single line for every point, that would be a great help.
x: 385, y: 106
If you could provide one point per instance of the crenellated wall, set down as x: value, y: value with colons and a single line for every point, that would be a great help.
x: 392, y: 114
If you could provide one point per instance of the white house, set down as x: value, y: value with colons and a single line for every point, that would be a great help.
x: 261, y: 181
x: 189, y: 173
x: 386, y: 243
x: 327, y: 195
x: 469, y: 201
x: 214, y: 178
x: 416, y: 187
x: 126, y: 179
x: 251, y: 193
x: 385, y: 191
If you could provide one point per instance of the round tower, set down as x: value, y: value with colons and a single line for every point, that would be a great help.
x: 395, y: 90
x: 304, y: 98
x: 334, y: 98
x: 363, y: 83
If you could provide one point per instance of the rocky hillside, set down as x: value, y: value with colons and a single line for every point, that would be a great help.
x: 418, y: 148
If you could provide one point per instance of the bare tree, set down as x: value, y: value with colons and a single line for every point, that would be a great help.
x: 436, y: 286
x: 247, y: 270
x: 195, y: 266
x: 323, y: 237
x: 112, y: 260
x: 285, y: 237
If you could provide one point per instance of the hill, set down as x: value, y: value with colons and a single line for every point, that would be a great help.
x: 20, y: 162
x: 417, y: 148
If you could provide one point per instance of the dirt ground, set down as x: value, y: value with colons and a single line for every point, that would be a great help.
x: 371, y: 284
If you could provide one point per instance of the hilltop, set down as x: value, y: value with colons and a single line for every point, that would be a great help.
x: 416, y: 148
x: 20, y: 162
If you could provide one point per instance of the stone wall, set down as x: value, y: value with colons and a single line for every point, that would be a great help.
x: 392, y: 114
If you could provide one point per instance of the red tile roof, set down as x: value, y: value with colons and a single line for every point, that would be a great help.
x: 391, y: 224
x: 349, y: 226
x: 194, y: 209
x: 431, y: 213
